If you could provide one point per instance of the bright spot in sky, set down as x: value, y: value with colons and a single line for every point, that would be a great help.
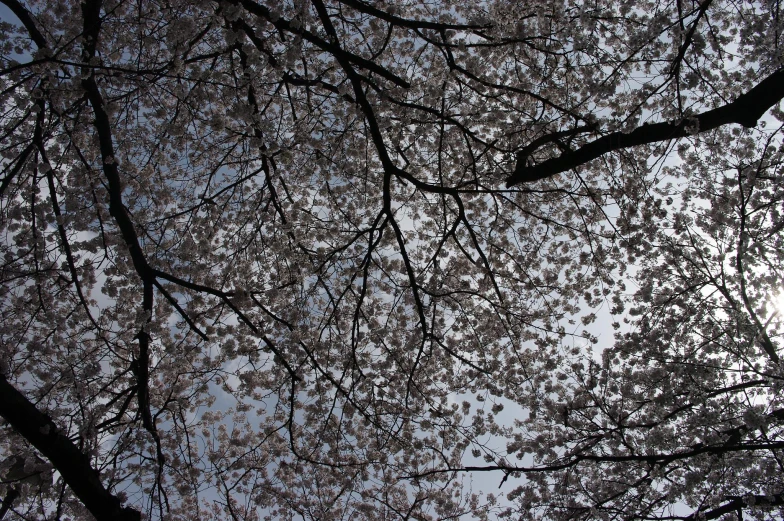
x: 778, y: 303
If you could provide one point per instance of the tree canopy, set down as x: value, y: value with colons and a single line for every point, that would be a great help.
x: 355, y: 259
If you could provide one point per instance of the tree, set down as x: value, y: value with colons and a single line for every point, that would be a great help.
x: 293, y: 259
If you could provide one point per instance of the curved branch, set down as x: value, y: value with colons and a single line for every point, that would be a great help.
x: 745, y: 110
x: 27, y: 20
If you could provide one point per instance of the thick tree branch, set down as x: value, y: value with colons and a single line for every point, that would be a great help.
x: 8, y: 500
x: 27, y: 20
x: 74, y: 466
x: 736, y: 504
x: 91, y: 12
x: 745, y: 110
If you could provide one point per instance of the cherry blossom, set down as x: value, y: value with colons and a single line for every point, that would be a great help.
x: 340, y: 259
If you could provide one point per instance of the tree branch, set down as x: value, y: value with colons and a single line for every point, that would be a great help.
x: 74, y: 466
x: 745, y: 110
x: 27, y: 20
x: 738, y: 503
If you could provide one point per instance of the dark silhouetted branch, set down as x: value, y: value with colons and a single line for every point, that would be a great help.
x: 74, y: 466
x: 737, y: 504
x: 27, y: 20
x: 745, y: 110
